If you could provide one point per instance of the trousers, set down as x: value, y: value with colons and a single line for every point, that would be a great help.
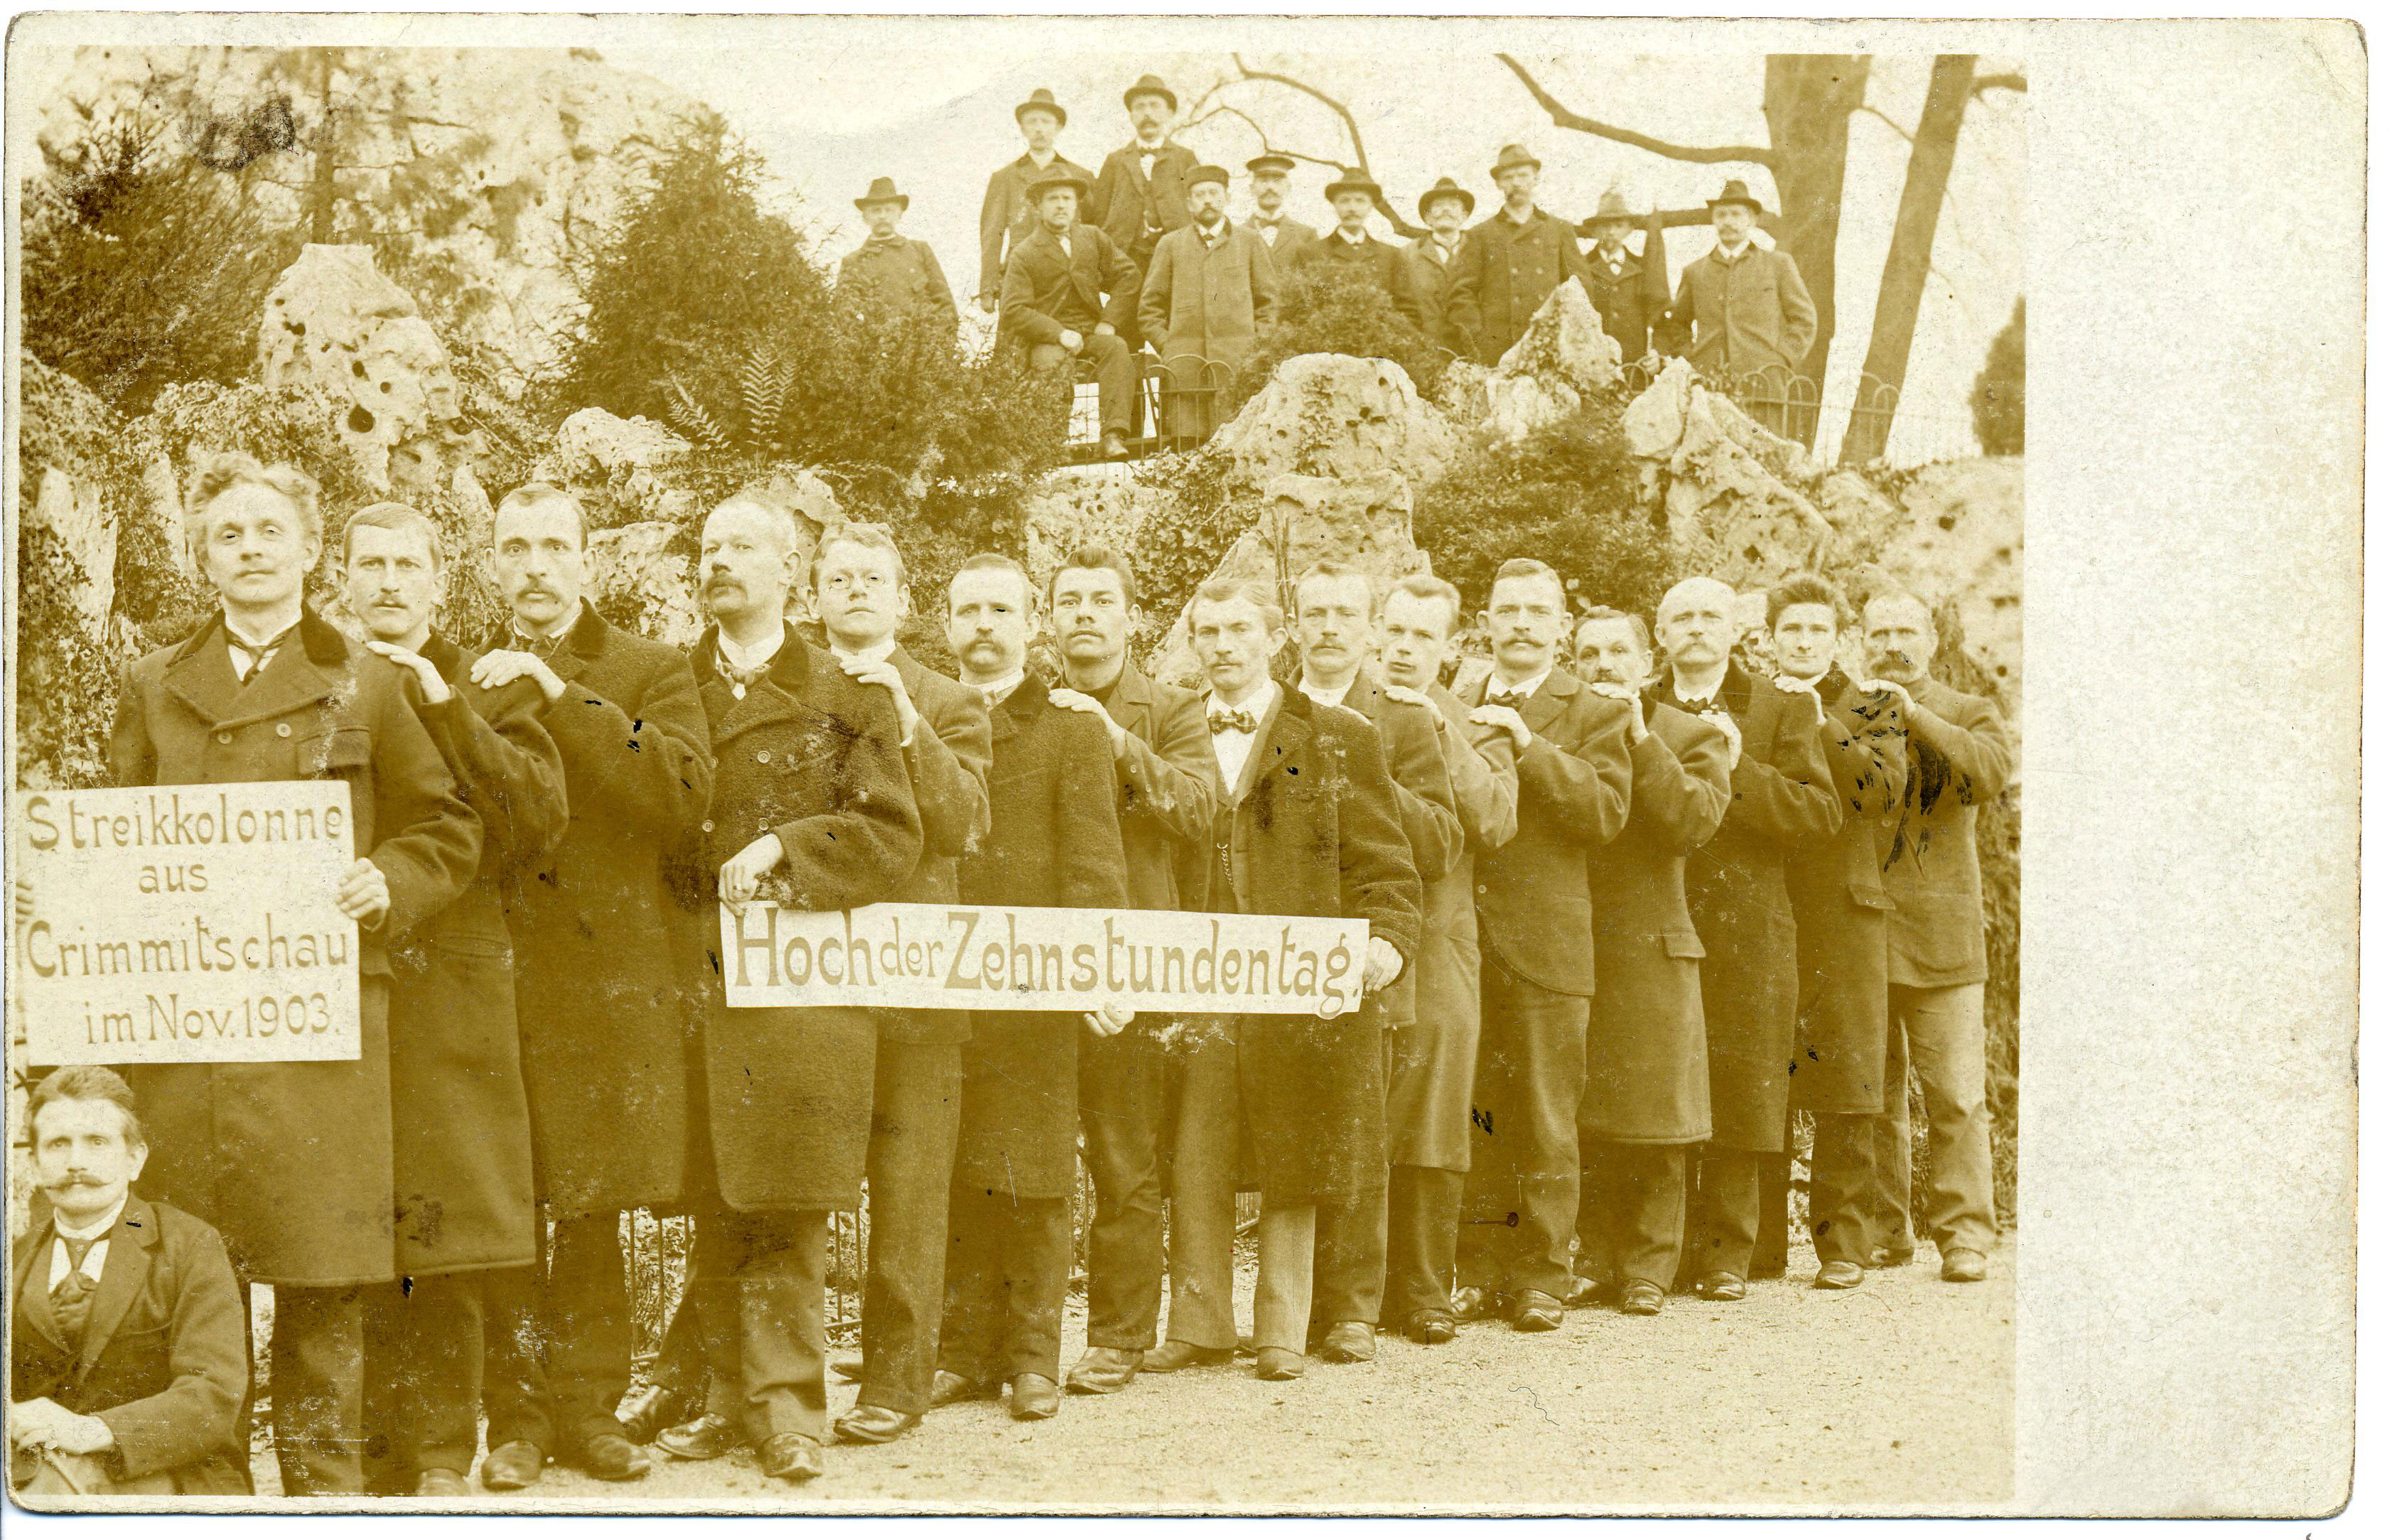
x: 1843, y: 1186
x: 1421, y: 1239
x: 1288, y: 1251
x: 559, y: 1345
x: 1519, y: 1216
x: 317, y: 1377
x: 1006, y: 1285
x: 1347, y: 1259
x: 1121, y: 1091
x: 1940, y: 1033
x: 910, y: 1145
x: 425, y: 1374
x: 1726, y: 1211
x: 758, y: 1293
x: 1204, y: 1090
x: 1631, y: 1212
x: 1115, y: 365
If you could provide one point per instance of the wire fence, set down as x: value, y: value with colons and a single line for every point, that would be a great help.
x: 1851, y: 421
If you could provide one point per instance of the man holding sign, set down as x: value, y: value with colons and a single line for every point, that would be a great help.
x: 291, y: 1162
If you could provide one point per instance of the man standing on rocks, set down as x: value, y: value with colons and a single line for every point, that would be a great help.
x: 1509, y: 265
x: 1140, y: 195
x: 1935, y: 961
x: 1287, y: 237
x: 1351, y: 249
x: 1009, y: 213
x: 1743, y: 307
x: 1052, y: 301
x: 1208, y: 298
x: 889, y: 274
x: 1431, y: 258
x: 1619, y: 281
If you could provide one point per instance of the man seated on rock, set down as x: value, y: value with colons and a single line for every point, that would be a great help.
x: 1052, y: 304
x: 128, y: 1361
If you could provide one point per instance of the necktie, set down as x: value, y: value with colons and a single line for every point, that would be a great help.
x: 741, y: 678
x: 71, y: 1299
x: 1511, y: 698
x: 258, y: 653
x: 1231, y: 721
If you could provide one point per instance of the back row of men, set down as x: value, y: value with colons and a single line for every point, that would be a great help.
x: 1623, y: 920
x: 1086, y: 267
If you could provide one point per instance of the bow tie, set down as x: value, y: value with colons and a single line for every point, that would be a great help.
x: 1513, y: 698
x: 737, y: 675
x: 1231, y: 721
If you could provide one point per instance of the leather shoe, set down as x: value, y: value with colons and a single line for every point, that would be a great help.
x: 1471, y: 1303
x: 871, y: 1424
x: 1349, y: 1342
x: 613, y: 1457
x: 1536, y: 1310
x: 440, y: 1481
x: 1171, y: 1356
x: 512, y: 1467
x: 794, y: 1456
x: 1103, y: 1371
x: 1890, y: 1257
x: 707, y: 1436
x: 1841, y: 1275
x: 1964, y: 1266
x: 1593, y: 1291
x: 1032, y: 1396
x: 852, y: 1369
x: 1641, y: 1299
x: 654, y: 1408
x: 951, y: 1389
x: 1281, y: 1364
x: 1114, y: 447
x: 1721, y: 1285
x: 1432, y: 1326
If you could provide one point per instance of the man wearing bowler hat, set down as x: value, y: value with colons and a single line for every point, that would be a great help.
x: 1210, y: 294
x: 1052, y: 304
x: 1140, y: 195
x: 890, y: 271
x: 1629, y: 288
x: 1509, y: 265
x: 1271, y: 182
x: 1743, y: 306
x: 1009, y: 213
x: 1353, y: 251
x: 1428, y: 261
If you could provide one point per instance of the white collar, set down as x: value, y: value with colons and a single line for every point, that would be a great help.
x: 1257, y: 703
x: 876, y: 652
x: 1001, y: 689
x: 1350, y: 239
x: 1759, y: 240
x: 555, y: 630
x: 92, y: 1232
x: 1327, y: 696
x: 754, y: 656
x: 1529, y: 688
x: 1677, y: 687
x: 254, y: 643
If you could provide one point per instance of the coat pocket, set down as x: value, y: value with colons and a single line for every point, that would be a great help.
x: 339, y: 751
x: 1685, y: 945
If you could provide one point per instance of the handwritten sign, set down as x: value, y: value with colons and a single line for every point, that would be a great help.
x: 1001, y: 958
x: 187, y: 924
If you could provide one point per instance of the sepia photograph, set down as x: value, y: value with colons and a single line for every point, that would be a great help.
x: 920, y: 764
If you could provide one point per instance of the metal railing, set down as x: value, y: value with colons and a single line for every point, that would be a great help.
x: 1179, y: 403
x: 1835, y: 426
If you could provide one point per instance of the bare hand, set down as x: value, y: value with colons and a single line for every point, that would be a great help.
x: 495, y: 670
x: 1903, y: 702
x: 80, y: 1435
x: 1072, y: 339
x: 362, y: 893
x: 880, y: 672
x: 737, y: 880
x: 1634, y: 700
x: 1105, y: 329
x: 1408, y: 697
x: 1110, y: 1020
x: 987, y: 304
x: 429, y: 677
x: 1076, y: 700
x: 1792, y: 686
x: 1717, y: 717
x: 1384, y: 964
x: 1508, y: 719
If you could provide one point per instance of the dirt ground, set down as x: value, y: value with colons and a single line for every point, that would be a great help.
x: 1900, y: 1393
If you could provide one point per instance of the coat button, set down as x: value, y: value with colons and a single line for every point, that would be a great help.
x: 763, y: 756
x: 283, y: 729
x: 708, y: 825
x: 1480, y: 887
x: 225, y: 737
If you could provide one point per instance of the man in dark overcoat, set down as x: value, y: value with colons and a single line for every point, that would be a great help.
x: 1052, y: 303
x: 812, y: 809
x: 1140, y: 195
x: 1627, y: 287
x: 1288, y: 239
x: 1432, y: 1078
x: 1008, y: 215
x: 1934, y: 957
x: 292, y: 1163
x: 1162, y: 770
x: 1647, y: 1094
x: 1510, y: 264
x: 1783, y: 796
x: 1575, y: 767
x: 463, y: 1144
x: 1306, y: 823
x: 1361, y: 257
x: 1840, y: 906
x: 1209, y: 295
x: 1429, y: 261
x: 891, y: 274
x: 1054, y: 845
x: 599, y: 989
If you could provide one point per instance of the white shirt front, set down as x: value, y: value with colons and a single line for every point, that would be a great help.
x: 1352, y: 238
x: 1324, y: 694
x: 1529, y: 688
x: 93, y: 1259
x: 248, y: 655
x: 750, y: 658
x: 1234, y: 748
x: 873, y: 652
x: 1001, y: 689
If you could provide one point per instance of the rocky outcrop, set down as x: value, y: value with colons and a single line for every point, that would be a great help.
x: 69, y: 459
x: 1102, y: 503
x: 1727, y: 483
x: 1334, y: 415
x: 1964, y: 550
x: 641, y: 577
x: 623, y: 468
x: 1565, y: 358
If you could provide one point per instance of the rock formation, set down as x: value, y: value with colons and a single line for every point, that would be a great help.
x: 1564, y: 360
x: 624, y: 468
x: 642, y: 579
x: 1726, y: 482
x: 1334, y: 415
x: 1103, y: 502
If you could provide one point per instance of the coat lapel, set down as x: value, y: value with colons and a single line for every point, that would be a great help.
x: 36, y: 1245
x: 201, y: 676
x: 122, y: 1276
x: 776, y: 697
x: 1129, y: 702
x: 1559, y: 688
x: 1279, y: 738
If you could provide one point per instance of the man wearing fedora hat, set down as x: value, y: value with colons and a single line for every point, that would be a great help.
x: 1008, y: 215
x: 1428, y: 262
x: 891, y: 271
x: 1288, y: 238
x: 1210, y: 297
x: 1510, y: 264
x: 1140, y: 195
x: 1361, y: 256
x: 1743, y: 306
x: 1629, y: 288
x: 1052, y: 306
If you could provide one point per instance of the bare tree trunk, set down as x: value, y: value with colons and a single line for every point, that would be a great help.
x: 1949, y: 86
x: 1809, y: 98
x: 321, y: 175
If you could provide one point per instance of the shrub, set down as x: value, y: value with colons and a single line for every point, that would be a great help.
x: 1329, y: 308
x: 1998, y: 399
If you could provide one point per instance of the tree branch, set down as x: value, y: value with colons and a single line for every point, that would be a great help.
x: 1358, y: 144
x: 2007, y: 80
x: 1759, y: 154
x: 1879, y: 114
x: 1267, y: 146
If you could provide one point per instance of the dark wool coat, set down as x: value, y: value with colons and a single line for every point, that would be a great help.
x: 1313, y: 828
x: 1054, y: 844
x: 1165, y: 799
x: 948, y: 760
x: 900, y: 275
x: 1202, y: 306
x: 1782, y: 794
x: 1378, y: 264
x: 599, y: 985
x: 1627, y: 309
x: 1433, y: 1057
x: 1430, y: 279
x: 783, y: 1094
x: 1647, y: 1049
x: 462, y: 1139
x: 165, y: 1359
x: 1840, y: 907
x: 1414, y: 763
x: 1138, y: 211
x: 1292, y: 243
x: 1044, y: 292
x: 1959, y: 758
x: 1742, y: 316
x: 1502, y: 275
x: 1008, y: 217
x: 292, y: 1163
x: 1535, y: 911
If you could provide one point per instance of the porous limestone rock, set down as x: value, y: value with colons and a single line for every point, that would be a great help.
x: 1104, y: 503
x: 1565, y: 358
x: 623, y: 468
x: 67, y: 457
x: 1964, y: 551
x: 641, y: 577
x: 1334, y: 415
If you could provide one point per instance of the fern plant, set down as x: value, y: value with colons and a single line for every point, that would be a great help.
x: 763, y: 386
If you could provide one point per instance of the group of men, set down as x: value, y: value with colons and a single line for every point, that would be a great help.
x: 1623, y: 921
x: 1085, y: 267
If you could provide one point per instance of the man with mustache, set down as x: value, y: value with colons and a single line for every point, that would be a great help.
x: 1428, y: 260
x: 1783, y: 796
x: 599, y: 990
x: 1009, y: 214
x: 129, y: 1356
x: 859, y: 590
x: 1743, y: 306
x: 1508, y: 266
x: 1839, y: 911
x: 893, y: 275
x: 1159, y: 746
x: 1054, y: 845
x: 1575, y: 763
x: 1361, y: 257
x: 1052, y: 303
x: 811, y: 809
x: 1209, y: 296
x: 1935, y: 952
x: 1288, y: 239
x: 1140, y: 193
x: 466, y: 1231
